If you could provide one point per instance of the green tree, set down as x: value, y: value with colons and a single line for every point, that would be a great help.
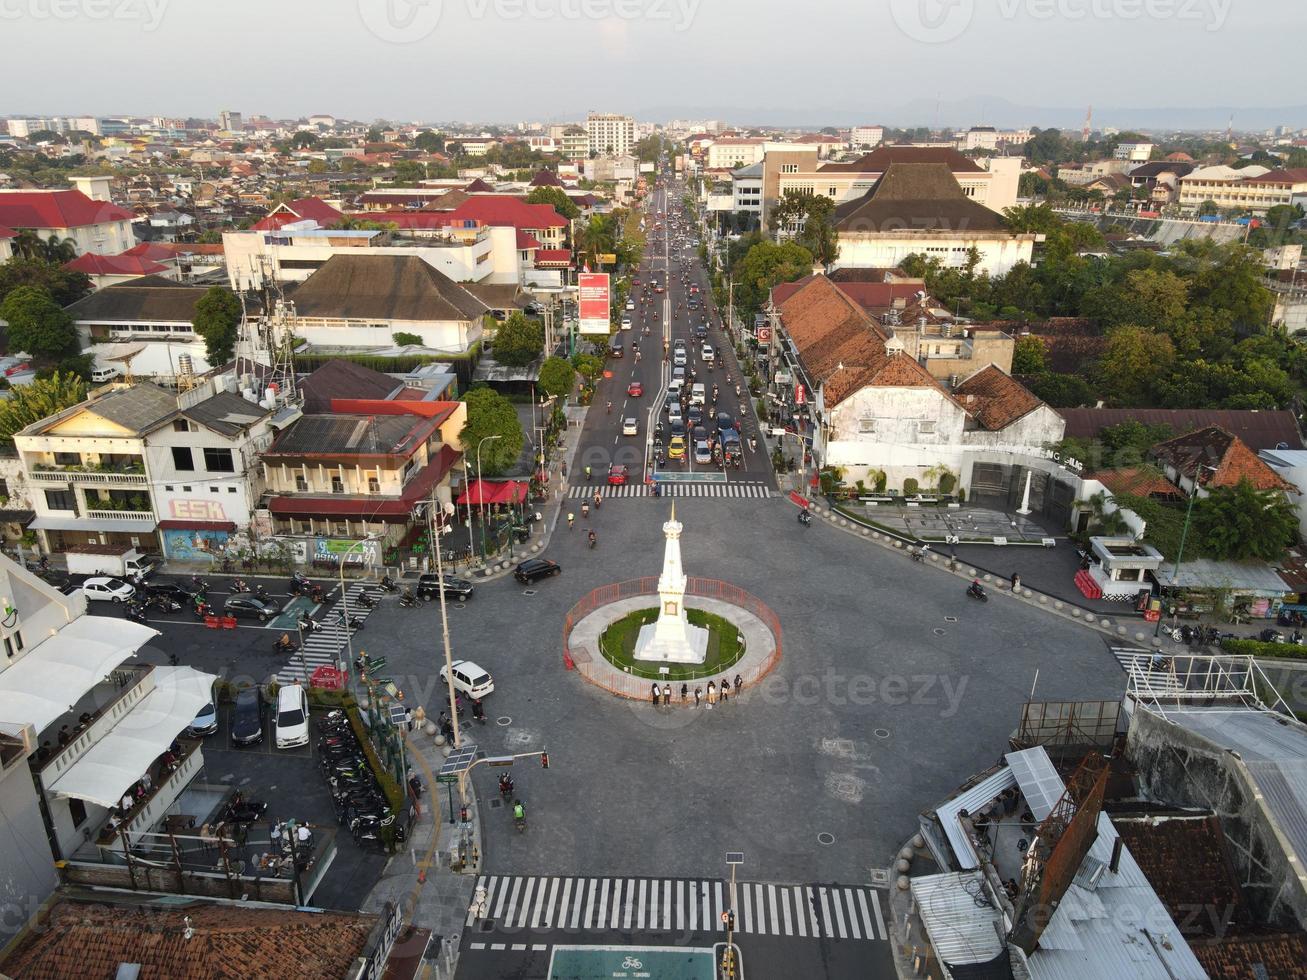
x: 557, y: 377
x: 430, y: 141
x: 1131, y: 364
x: 491, y: 414
x: 217, y: 320
x: 304, y: 140
x: 1028, y: 356
x: 403, y: 338
x: 64, y: 285
x: 317, y: 167
x: 589, y: 366
x: 1242, y: 523
x: 556, y: 198
x: 764, y: 265
x: 519, y: 340
x: 815, y: 212
x: 39, y: 400
x: 37, y: 324
x: 1062, y: 390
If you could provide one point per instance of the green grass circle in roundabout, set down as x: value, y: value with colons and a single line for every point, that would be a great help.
x: 725, y: 647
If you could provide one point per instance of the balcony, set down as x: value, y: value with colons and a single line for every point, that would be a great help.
x: 144, y: 516
x: 79, y: 476
x: 167, y: 785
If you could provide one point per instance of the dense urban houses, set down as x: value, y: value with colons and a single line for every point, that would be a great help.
x: 81, y: 723
x: 362, y: 468
x: 920, y: 209
x: 138, y: 466
x: 84, y: 216
x: 361, y: 301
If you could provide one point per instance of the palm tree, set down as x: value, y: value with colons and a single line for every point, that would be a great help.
x: 60, y: 250
x: 28, y: 244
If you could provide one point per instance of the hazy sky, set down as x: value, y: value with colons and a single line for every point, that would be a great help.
x: 505, y: 60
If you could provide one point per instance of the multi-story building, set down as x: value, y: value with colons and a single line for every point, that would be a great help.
x: 746, y: 189
x: 86, y: 216
x: 1252, y: 188
x: 363, y: 462
x: 79, y: 728
x: 1134, y: 152
x: 573, y: 143
x: 230, y: 122
x: 868, y: 137
x: 132, y: 464
x: 989, y: 138
x: 610, y: 134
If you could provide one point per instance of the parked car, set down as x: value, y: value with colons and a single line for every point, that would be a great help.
x: 248, y: 606
x: 105, y: 589
x: 247, y: 717
x: 534, y: 569
x: 205, y: 722
x: 428, y: 587
x: 472, y: 680
x: 617, y: 475
x: 292, y: 726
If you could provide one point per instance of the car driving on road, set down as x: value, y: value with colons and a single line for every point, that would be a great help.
x: 102, y: 588
x: 534, y: 569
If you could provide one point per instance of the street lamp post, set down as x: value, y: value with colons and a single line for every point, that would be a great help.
x: 1189, y: 512
x: 344, y: 600
x: 481, y: 491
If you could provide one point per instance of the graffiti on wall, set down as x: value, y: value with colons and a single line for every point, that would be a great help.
x: 186, y: 544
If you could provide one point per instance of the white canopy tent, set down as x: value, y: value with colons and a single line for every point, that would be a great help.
x: 54, y: 675
x: 119, y: 759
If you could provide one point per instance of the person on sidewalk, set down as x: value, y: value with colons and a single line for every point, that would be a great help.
x: 698, y: 691
x: 685, y: 693
x: 712, y: 694
x: 655, y: 695
x: 1016, y: 581
x: 667, y: 694
x: 738, y: 684
x: 726, y: 690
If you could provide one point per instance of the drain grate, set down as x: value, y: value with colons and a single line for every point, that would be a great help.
x: 503, y: 721
x: 939, y: 631
x: 950, y: 619
x: 825, y: 838
x: 879, y: 876
x: 881, y: 733
x: 496, y: 804
x: 529, y: 592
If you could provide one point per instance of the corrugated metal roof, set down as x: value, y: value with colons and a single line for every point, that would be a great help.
x: 971, y: 800
x: 1205, y: 573
x: 1273, y: 750
x: 963, y: 924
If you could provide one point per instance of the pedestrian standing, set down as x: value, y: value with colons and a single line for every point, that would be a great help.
x: 738, y: 684
x: 697, y: 692
x: 1016, y: 581
x: 667, y: 694
x: 655, y: 695
x: 726, y: 690
x: 685, y: 693
x: 712, y: 694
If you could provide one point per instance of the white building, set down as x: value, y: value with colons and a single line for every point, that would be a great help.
x: 868, y: 137
x: 610, y: 134
x: 1134, y: 152
x: 85, y: 216
x: 746, y: 190
x: 230, y: 122
x: 79, y: 727
x: 919, y: 209
x: 989, y: 138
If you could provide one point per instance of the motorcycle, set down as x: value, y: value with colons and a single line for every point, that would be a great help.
x: 805, y: 518
x: 307, y: 625
x: 976, y: 591
x: 283, y: 645
x: 199, y: 586
x: 505, y: 786
x: 245, y: 811
x: 408, y: 600
x: 386, y: 585
x: 519, y: 821
x: 316, y: 593
x: 415, y: 786
x: 365, y: 600
x: 135, y: 611
x: 164, y: 603
x: 262, y: 594
x: 299, y: 584
x: 919, y: 554
x: 203, y: 610
x: 239, y: 585
x: 352, y: 622
x: 593, y: 540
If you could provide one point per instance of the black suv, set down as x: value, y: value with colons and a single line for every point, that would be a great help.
x: 534, y: 569
x: 455, y: 588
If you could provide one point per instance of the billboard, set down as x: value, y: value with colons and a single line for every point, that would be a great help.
x: 593, y: 302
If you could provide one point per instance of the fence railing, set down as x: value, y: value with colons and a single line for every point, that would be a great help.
x: 598, y: 671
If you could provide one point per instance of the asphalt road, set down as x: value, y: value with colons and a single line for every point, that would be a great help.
x: 666, y: 318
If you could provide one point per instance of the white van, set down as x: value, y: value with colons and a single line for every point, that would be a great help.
x: 292, y: 725
x: 709, y: 355
x: 698, y: 394
x: 102, y: 374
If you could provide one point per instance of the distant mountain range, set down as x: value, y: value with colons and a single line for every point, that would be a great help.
x: 993, y: 111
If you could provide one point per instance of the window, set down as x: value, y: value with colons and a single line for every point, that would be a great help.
x: 231, y: 489
x: 866, y: 425
x: 789, y: 168
x: 213, y: 489
x: 337, y: 485
x: 168, y: 488
x: 77, y: 811
x: 374, y: 485
x: 186, y: 489
x: 181, y: 425
x: 926, y: 427
x: 61, y: 500
x: 4, y: 488
x: 182, y: 459
x: 301, y: 484
x: 219, y: 461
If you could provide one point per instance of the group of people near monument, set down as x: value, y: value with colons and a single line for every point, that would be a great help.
x: 716, y: 692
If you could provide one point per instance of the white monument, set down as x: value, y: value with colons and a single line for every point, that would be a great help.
x: 671, y: 639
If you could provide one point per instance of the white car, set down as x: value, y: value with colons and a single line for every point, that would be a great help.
x: 292, y: 724
x: 626, y: 323
x: 674, y: 413
x: 630, y: 304
x: 630, y: 427
x: 678, y: 359
x: 106, y: 589
x: 702, y: 452
x: 205, y: 723
x: 472, y: 680
x: 709, y: 355
x: 698, y: 394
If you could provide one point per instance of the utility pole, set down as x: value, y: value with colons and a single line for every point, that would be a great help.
x: 444, y: 622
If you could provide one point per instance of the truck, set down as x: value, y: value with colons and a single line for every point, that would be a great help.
x: 124, y: 563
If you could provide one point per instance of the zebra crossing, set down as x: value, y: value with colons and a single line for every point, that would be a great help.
x: 680, y: 905
x: 322, y: 646
x: 736, y: 489
x: 1150, y: 671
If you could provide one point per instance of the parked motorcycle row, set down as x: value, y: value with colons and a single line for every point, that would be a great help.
x: 356, y: 795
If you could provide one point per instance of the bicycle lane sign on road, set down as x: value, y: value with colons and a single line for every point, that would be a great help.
x: 631, y: 962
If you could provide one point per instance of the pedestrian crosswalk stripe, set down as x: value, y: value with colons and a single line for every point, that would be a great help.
x: 737, y: 489
x: 322, y: 646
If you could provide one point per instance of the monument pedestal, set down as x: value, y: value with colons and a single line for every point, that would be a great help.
x: 672, y: 639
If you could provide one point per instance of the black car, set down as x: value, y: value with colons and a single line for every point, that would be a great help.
x: 247, y: 717
x: 455, y: 587
x: 616, y: 350
x: 725, y: 420
x: 695, y: 414
x: 172, y: 590
x: 534, y: 569
x: 247, y: 605
x: 677, y: 428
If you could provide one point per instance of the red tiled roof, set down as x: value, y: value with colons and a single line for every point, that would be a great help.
x: 1213, y: 446
x: 425, y: 220
x: 868, y: 295
x: 1240, y: 957
x: 546, y: 178
x: 114, y: 265
x: 994, y: 399
x: 1293, y: 176
x: 1259, y: 430
x: 478, y: 186
x: 153, y: 251
x: 305, y: 209
x: 554, y: 256
x: 7, y: 233
x: 498, y: 209
x: 1135, y: 481
x: 56, y: 209
x: 525, y: 240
